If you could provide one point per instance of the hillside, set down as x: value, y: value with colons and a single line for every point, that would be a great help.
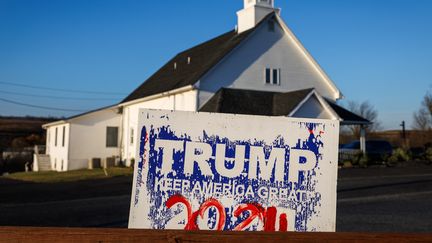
x: 25, y: 131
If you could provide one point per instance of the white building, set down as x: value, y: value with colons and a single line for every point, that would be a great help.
x: 73, y: 141
x: 259, y: 68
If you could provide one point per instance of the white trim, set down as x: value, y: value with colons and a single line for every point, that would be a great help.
x: 160, y: 95
x: 112, y: 108
x: 301, y: 104
x: 327, y: 107
x: 323, y: 103
x: 56, y: 123
x: 60, y: 122
x: 309, y: 58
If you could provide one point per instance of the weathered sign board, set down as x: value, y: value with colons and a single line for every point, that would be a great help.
x: 233, y: 172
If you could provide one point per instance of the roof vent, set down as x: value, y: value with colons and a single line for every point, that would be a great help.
x: 175, y: 65
x: 189, y: 60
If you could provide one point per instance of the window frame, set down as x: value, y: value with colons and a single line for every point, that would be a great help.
x: 267, y: 76
x: 132, y: 136
x: 108, y: 141
x: 275, y: 76
x: 64, y: 136
x: 56, y: 137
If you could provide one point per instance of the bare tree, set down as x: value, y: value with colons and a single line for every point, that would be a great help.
x: 427, y: 102
x: 365, y: 110
x: 423, y: 117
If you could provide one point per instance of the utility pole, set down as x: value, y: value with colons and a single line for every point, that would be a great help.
x: 403, y: 133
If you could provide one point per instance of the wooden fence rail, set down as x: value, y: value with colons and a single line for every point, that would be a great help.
x: 77, y: 235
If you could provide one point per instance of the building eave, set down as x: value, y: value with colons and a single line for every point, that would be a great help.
x: 72, y: 118
x: 56, y: 123
x: 160, y: 95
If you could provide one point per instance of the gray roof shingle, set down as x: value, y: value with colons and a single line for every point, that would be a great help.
x: 253, y: 102
x: 264, y: 103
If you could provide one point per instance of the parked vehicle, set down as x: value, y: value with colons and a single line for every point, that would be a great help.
x: 376, y: 151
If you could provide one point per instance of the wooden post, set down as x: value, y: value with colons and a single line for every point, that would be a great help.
x: 363, y: 139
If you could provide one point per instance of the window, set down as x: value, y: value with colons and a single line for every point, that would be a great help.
x: 64, y: 135
x: 272, y: 76
x: 268, y: 76
x: 112, y: 137
x: 131, y: 136
x: 275, y: 76
x: 55, y: 140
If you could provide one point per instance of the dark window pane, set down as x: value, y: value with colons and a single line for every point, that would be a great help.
x: 112, y: 137
x: 63, y: 138
x: 275, y: 76
x: 268, y: 76
x: 56, y: 133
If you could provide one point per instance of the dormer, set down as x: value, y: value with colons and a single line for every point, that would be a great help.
x: 253, y: 12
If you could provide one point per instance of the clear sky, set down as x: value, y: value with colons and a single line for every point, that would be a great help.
x: 374, y: 50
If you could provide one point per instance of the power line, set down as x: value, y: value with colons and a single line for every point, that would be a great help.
x: 38, y: 106
x: 61, y: 90
x: 55, y: 97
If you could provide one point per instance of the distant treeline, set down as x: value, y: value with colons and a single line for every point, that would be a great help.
x: 19, y: 132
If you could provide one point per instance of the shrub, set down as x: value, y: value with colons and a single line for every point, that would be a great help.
x: 428, y: 154
x: 399, y: 155
x: 363, y: 161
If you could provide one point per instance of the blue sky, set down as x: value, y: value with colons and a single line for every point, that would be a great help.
x: 377, y: 51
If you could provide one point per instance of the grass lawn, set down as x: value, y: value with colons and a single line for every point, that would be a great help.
x: 79, y: 175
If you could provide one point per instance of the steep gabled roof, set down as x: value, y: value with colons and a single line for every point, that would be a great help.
x: 252, y: 102
x: 203, y: 57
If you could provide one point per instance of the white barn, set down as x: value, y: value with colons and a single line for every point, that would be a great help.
x: 259, y: 68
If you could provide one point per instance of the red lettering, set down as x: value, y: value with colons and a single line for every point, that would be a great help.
x: 254, y: 212
x: 221, y: 210
x: 266, y: 216
x: 270, y: 219
x: 283, y: 222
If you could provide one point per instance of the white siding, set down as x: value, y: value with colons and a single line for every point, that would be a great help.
x: 186, y: 101
x: 88, y: 138
x: 244, y: 67
x: 312, y: 108
x: 58, y: 153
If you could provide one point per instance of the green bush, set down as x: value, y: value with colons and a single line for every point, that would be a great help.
x: 363, y: 161
x: 399, y: 155
x: 428, y: 154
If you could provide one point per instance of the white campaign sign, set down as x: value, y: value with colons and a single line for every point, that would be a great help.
x: 234, y: 172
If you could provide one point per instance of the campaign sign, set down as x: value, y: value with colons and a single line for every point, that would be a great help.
x: 207, y: 171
